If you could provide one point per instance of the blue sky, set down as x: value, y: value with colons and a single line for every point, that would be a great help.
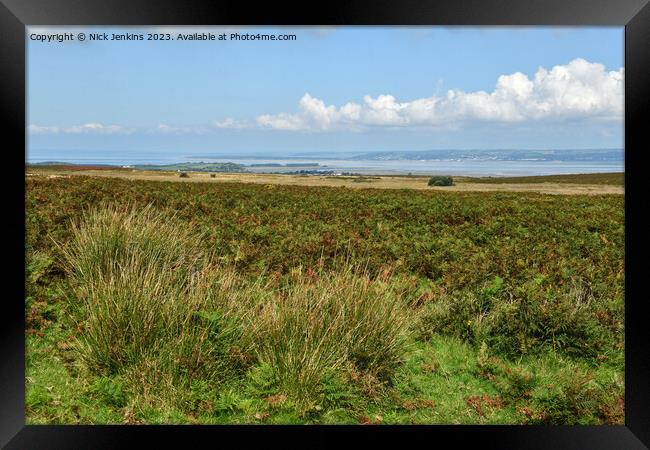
x: 332, y: 89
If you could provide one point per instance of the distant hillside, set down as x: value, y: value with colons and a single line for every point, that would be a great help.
x: 62, y: 163
x: 195, y: 167
x: 49, y: 163
x: 496, y: 155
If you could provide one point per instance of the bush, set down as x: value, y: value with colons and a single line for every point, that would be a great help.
x: 441, y: 181
x: 213, y: 175
x: 574, y: 398
x: 535, y: 319
x: 183, y: 175
x: 522, y: 320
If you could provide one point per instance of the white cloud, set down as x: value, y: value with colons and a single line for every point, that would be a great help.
x: 163, y: 128
x: 579, y: 89
x: 88, y: 128
x: 229, y: 123
x: 169, y: 129
x: 314, y: 115
x: 37, y: 129
x: 281, y: 121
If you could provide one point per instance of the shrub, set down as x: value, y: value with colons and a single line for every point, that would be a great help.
x: 573, y: 398
x: 213, y: 175
x: 522, y: 320
x: 441, y: 181
x: 183, y: 175
x: 534, y: 318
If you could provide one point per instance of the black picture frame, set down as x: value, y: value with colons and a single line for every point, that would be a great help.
x: 16, y: 14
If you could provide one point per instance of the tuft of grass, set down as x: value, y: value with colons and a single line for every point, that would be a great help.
x: 155, y: 309
x: 140, y: 288
x: 322, y: 324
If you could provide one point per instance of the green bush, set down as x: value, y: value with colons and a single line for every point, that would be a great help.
x: 183, y: 175
x: 574, y: 398
x: 558, y: 320
x: 441, y: 181
x: 521, y: 320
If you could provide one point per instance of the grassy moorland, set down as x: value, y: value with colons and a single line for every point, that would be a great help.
x: 168, y: 302
x: 578, y: 184
x: 608, y: 178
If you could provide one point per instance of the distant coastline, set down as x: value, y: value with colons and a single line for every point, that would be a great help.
x: 430, y: 162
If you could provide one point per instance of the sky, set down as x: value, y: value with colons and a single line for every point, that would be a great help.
x: 332, y: 89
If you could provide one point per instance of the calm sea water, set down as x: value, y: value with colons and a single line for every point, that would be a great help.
x: 449, y: 167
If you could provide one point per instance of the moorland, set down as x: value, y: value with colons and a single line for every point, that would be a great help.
x: 247, y: 298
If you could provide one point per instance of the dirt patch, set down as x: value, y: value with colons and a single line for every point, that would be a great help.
x: 479, y: 402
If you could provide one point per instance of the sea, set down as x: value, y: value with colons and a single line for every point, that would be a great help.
x: 341, y: 163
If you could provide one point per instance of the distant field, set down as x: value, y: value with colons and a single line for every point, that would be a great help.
x: 589, y: 184
x: 612, y: 179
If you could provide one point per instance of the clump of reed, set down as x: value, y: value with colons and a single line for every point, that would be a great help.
x: 151, y: 304
x: 326, y: 323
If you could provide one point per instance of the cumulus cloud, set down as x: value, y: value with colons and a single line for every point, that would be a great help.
x: 314, y: 114
x: 579, y: 89
x: 88, y: 128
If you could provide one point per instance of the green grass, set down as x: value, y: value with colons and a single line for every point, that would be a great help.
x: 211, y: 306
